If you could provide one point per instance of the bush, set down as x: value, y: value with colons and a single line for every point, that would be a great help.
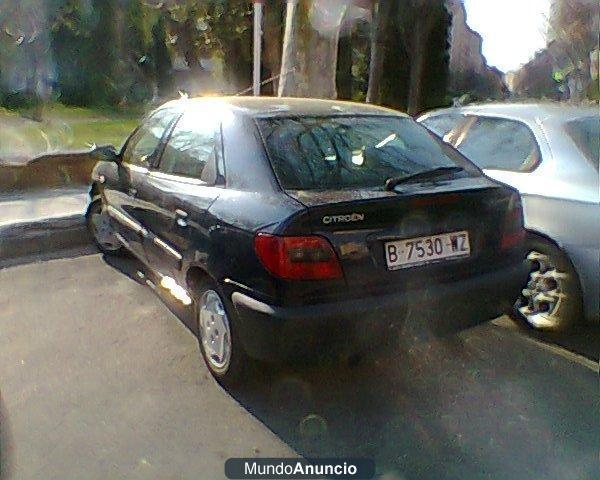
x: 20, y: 101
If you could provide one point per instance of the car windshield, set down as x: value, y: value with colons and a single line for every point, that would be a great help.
x: 340, y: 152
x: 585, y: 132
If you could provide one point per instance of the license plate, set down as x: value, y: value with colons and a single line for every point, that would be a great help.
x: 409, y: 252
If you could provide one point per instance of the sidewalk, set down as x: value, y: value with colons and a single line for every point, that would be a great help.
x: 36, y: 224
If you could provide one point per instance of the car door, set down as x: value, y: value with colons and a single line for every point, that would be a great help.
x: 178, y: 192
x: 137, y: 156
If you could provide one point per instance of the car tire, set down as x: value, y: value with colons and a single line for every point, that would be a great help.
x: 552, y: 299
x: 220, y: 346
x: 98, y: 225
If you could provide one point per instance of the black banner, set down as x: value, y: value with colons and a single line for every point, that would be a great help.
x: 299, y: 468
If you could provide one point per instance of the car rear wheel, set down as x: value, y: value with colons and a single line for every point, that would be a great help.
x: 99, y: 226
x: 552, y: 298
x: 222, y: 352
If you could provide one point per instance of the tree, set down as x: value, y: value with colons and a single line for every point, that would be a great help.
x: 288, y: 57
x: 572, y: 37
x: 274, y: 20
x: 425, y: 30
x: 102, y: 62
x: 160, y: 56
x: 381, y: 30
x: 436, y: 59
x: 96, y: 58
x: 534, y: 79
x: 134, y: 69
x: 310, y: 47
x: 216, y: 30
x: 232, y: 28
x: 344, y: 67
x: 24, y: 54
x: 409, y: 54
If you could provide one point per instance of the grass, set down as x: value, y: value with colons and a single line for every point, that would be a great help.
x: 62, y: 129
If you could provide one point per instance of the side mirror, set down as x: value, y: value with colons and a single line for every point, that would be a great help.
x: 105, y: 153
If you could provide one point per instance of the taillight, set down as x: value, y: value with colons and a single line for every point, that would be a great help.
x: 297, y: 258
x: 513, y: 233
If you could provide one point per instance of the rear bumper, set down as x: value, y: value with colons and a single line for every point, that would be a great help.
x: 271, y: 332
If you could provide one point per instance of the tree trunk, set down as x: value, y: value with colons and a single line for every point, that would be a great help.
x: 237, y: 68
x: 287, y: 79
x: 272, y: 40
x: 310, y: 48
x: 382, y: 17
x: 344, y: 68
x: 160, y: 54
x: 416, y: 71
x: 322, y: 53
x: 417, y: 65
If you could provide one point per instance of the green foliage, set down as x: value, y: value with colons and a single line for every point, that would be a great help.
x: 82, y: 54
x: 161, y: 60
x: 119, y: 52
x: 19, y: 100
x: 360, y: 73
x: 63, y: 128
x: 357, y: 44
x: 101, y: 49
x: 217, y: 29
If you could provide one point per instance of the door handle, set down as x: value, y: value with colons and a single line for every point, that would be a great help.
x: 181, y: 217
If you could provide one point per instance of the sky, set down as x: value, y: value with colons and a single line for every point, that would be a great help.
x: 512, y: 30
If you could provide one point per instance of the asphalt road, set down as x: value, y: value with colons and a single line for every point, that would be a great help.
x: 98, y: 379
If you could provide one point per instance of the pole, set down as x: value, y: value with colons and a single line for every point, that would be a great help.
x: 258, y: 11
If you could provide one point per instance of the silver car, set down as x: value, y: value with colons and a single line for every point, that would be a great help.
x: 550, y: 154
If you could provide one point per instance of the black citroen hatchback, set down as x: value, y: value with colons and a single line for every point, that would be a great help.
x: 297, y: 226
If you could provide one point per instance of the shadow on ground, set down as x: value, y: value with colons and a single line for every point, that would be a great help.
x: 481, y: 404
x: 461, y: 407
x: 48, y: 255
x: 133, y: 268
x: 583, y: 341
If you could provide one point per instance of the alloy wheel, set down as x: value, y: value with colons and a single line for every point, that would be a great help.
x: 215, y: 332
x: 544, y: 293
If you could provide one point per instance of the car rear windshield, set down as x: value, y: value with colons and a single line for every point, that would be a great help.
x: 341, y: 152
x: 585, y: 132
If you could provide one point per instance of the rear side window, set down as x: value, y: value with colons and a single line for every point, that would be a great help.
x: 191, y: 149
x: 144, y: 143
x: 585, y: 132
x: 443, y: 124
x: 337, y: 152
x: 500, y: 144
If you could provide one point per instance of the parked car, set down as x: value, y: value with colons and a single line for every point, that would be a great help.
x: 297, y: 226
x: 550, y: 154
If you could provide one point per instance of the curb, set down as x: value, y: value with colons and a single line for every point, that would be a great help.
x: 34, y: 241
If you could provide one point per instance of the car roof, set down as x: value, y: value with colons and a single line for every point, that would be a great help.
x: 527, y: 112
x: 287, y: 106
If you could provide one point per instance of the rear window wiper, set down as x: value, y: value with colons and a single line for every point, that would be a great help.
x: 393, y: 182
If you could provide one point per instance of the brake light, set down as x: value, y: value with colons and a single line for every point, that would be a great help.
x: 514, y: 231
x: 297, y: 258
